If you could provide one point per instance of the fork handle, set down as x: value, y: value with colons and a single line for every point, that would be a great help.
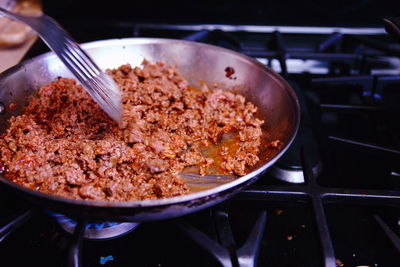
x: 37, y: 23
x: 11, y: 15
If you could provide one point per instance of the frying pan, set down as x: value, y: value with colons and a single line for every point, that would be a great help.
x: 198, y: 63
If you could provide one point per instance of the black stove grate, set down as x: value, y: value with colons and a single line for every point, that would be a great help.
x: 344, y: 210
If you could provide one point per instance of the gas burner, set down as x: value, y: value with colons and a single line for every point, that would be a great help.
x: 289, y: 167
x: 104, y: 230
x: 292, y: 175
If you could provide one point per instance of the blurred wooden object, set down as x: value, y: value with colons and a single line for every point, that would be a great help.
x: 16, y: 38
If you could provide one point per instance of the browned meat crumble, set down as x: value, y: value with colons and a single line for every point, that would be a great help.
x: 64, y: 144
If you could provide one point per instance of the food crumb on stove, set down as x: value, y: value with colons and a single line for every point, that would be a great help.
x: 289, y: 237
x: 354, y: 255
x: 303, y: 226
x: 339, y: 263
x: 104, y: 260
x: 278, y: 212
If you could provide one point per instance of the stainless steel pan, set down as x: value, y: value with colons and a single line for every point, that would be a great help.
x: 276, y: 101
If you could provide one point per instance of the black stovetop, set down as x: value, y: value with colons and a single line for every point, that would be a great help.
x: 341, y: 204
x: 252, y: 12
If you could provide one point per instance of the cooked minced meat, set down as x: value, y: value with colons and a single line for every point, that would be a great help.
x: 64, y: 144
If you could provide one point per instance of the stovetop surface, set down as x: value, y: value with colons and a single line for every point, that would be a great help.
x: 341, y: 210
x: 273, y: 12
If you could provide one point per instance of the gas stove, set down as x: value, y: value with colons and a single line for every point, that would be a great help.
x: 332, y: 200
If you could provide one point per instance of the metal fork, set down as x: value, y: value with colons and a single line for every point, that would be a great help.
x: 98, y: 84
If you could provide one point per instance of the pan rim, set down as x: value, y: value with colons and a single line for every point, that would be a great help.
x: 178, y: 199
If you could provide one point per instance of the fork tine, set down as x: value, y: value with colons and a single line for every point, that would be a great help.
x: 63, y: 50
x: 107, y: 94
x: 90, y: 80
x: 78, y: 50
x: 103, y: 93
x: 74, y: 66
x: 81, y: 62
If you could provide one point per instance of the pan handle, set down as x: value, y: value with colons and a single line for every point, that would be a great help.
x: 392, y: 27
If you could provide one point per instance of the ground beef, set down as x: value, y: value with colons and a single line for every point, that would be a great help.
x: 64, y: 144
